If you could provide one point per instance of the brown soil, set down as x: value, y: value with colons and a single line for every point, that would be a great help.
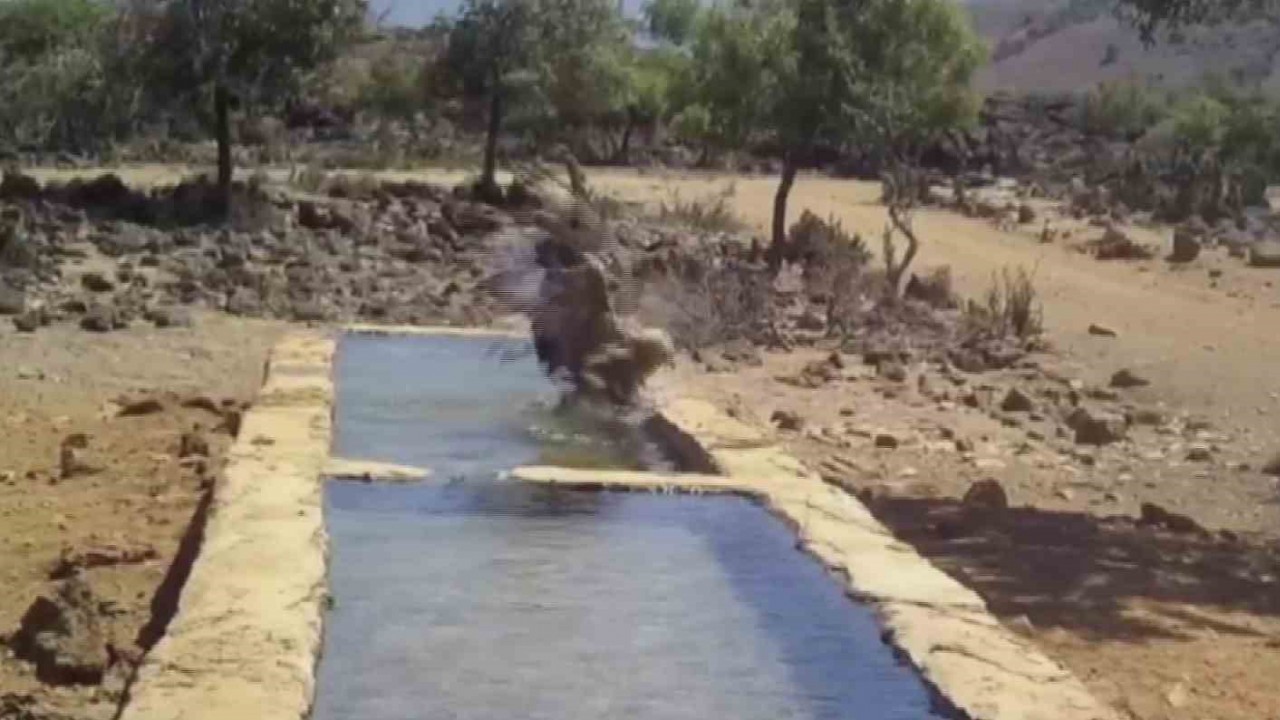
x: 133, y: 501
x: 1160, y: 624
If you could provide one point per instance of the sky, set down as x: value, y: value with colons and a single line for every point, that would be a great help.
x: 415, y: 13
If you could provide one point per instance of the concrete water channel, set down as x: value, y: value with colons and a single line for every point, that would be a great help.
x: 496, y: 588
x: 479, y: 597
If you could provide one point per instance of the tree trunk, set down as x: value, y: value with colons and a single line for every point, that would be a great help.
x: 222, y: 133
x: 624, y: 150
x: 778, y: 239
x: 488, y: 178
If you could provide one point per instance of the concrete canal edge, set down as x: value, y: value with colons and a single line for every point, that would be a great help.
x: 246, y: 637
x: 247, y: 632
x: 974, y: 664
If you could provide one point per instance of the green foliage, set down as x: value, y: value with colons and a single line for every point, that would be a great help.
x: 258, y: 49
x: 672, y: 20
x: 63, y: 82
x: 1199, y: 122
x: 1122, y: 110
x: 396, y: 86
x: 30, y: 29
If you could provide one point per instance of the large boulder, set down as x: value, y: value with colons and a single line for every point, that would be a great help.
x: 62, y: 635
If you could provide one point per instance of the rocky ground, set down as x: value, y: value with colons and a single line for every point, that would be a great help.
x: 108, y: 446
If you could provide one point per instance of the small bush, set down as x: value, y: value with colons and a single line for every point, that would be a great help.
x: 712, y: 214
x: 1011, y: 308
x: 833, y: 260
x: 730, y: 301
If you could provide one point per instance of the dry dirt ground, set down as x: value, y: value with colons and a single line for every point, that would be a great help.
x: 118, y: 507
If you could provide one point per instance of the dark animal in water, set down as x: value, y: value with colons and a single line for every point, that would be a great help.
x: 578, y: 333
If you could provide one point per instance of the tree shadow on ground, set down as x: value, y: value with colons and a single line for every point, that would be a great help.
x: 1083, y: 573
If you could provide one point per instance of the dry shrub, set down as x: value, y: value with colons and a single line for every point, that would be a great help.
x: 1011, y: 308
x: 361, y: 186
x: 834, y: 262
x: 934, y: 289
x: 708, y: 214
x: 308, y: 178
x: 729, y: 300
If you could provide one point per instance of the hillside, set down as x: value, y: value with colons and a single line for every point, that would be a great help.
x: 1065, y: 45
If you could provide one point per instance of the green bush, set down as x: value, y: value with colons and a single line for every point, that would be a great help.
x: 1123, y: 109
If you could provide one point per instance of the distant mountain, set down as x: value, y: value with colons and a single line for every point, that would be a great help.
x: 416, y: 13
x: 1066, y: 45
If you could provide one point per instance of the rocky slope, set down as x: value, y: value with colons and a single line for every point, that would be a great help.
x: 1070, y: 45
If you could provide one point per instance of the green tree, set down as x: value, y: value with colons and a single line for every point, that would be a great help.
x: 56, y: 82
x: 566, y: 53
x: 886, y: 75
x: 222, y: 52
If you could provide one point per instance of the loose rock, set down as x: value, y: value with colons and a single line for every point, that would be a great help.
x: 13, y: 301
x: 100, y: 317
x: 1186, y: 246
x: 1199, y: 453
x: 1094, y: 427
x: 1125, y: 379
x: 886, y: 441
x: 1102, y: 331
x: 1272, y: 466
x: 95, y: 282
x: 62, y: 635
x: 986, y: 494
x: 1265, y: 254
x: 892, y: 371
x: 1155, y: 516
x: 1017, y: 401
